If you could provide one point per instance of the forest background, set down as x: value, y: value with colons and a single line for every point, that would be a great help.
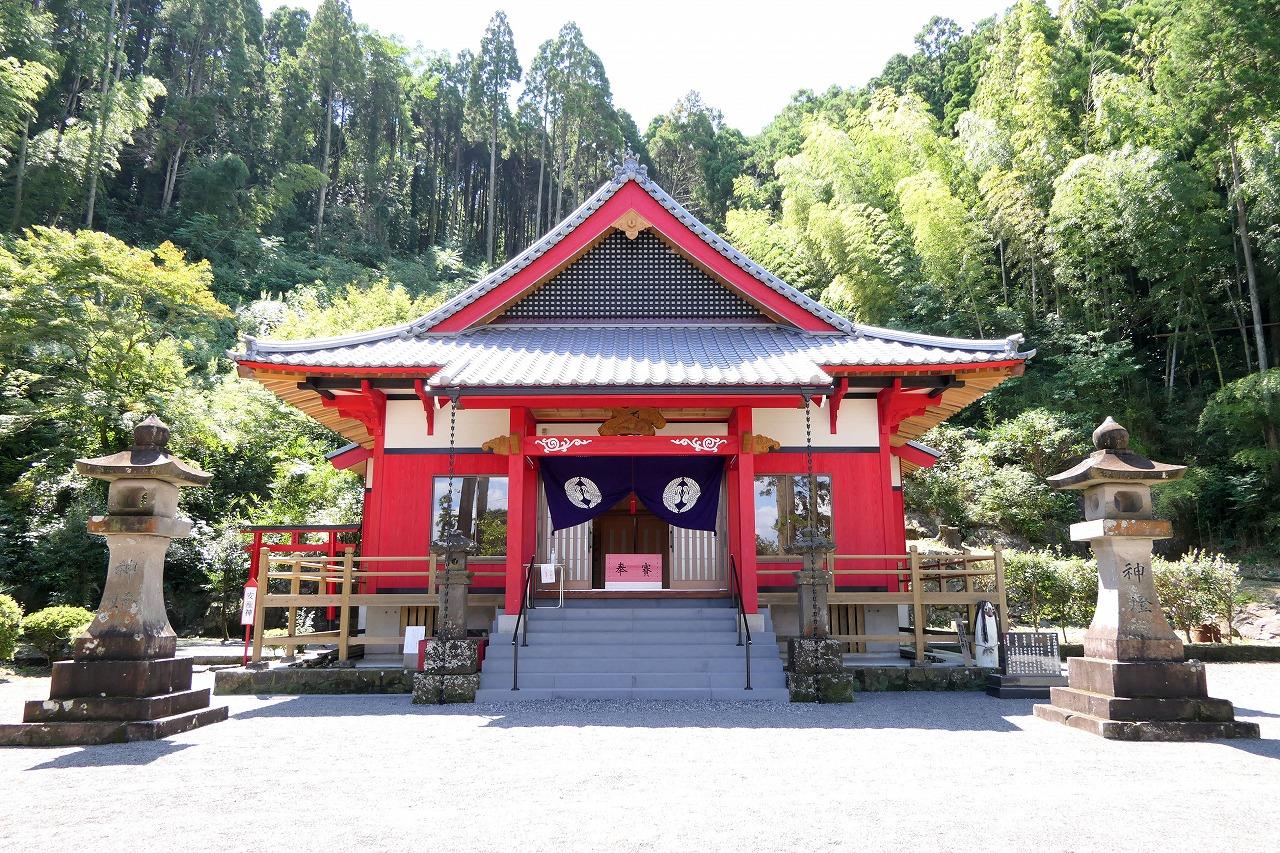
x: 1103, y: 177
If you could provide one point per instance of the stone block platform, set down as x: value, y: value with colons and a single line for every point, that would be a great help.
x: 287, y: 680
x: 114, y: 701
x: 1143, y: 700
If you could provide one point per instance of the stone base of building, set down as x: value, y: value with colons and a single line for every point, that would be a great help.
x: 94, y: 702
x: 1142, y: 700
x: 1004, y: 686
x: 815, y: 671
x: 431, y: 689
x: 450, y: 673
x: 297, y: 681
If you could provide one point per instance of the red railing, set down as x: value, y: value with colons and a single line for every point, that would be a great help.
x: 317, y: 539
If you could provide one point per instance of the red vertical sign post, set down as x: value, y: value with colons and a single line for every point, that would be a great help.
x: 247, y: 608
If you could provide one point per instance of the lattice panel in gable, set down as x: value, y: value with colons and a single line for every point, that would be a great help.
x: 640, y: 279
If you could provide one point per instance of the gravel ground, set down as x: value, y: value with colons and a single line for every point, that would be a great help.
x: 905, y: 771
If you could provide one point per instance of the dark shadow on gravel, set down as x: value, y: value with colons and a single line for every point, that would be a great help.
x: 114, y: 755
x: 1265, y: 748
x: 1254, y: 712
x: 946, y: 711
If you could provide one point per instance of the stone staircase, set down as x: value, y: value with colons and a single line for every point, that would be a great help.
x: 635, y: 649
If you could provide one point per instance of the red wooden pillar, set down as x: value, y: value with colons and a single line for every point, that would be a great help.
x: 893, y: 406
x: 742, y: 507
x: 522, y: 507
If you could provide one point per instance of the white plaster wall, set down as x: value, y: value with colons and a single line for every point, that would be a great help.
x: 407, y: 425
x: 855, y: 425
x: 669, y: 429
x: 895, y: 470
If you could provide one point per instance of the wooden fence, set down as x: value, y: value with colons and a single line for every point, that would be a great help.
x: 923, y: 581
x: 337, y: 581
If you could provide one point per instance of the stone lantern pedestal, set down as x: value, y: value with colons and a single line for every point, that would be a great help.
x: 451, y: 666
x: 1132, y: 683
x: 815, y: 664
x: 123, y: 682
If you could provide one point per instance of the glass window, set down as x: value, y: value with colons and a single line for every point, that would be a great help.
x: 480, y: 504
x: 782, y: 510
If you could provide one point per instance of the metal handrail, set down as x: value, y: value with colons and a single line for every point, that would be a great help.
x: 742, y: 616
x: 526, y: 598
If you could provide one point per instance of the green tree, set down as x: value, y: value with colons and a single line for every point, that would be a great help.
x: 26, y: 69
x: 1218, y: 70
x: 96, y: 330
x: 496, y: 67
x: 696, y: 156
x: 330, y: 57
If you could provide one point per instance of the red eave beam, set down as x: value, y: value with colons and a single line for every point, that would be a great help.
x: 842, y: 388
x: 428, y: 405
x: 914, y: 455
x: 369, y: 407
x: 631, y: 445
x: 897, y: 405
x: 350, y: 459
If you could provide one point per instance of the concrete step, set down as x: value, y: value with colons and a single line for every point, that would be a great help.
x: 598, y: 639
x: 575, y: 613
x: 616, y: 664
x: 646, y: 626
x: 725, y: 694
x: 638, y: 604
x: 540, y: 649
x: 634, y: 649
x: 611, y: 680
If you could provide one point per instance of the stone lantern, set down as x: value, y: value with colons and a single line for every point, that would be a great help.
x: 451, y: 666
x: 1132, y: 683
x: 815, y: 664
x: 124, y: 682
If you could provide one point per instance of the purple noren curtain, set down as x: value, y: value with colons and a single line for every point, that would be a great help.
x: 681, y: 490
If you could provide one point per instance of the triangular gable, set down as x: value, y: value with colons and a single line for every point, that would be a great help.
x: 630, y: 202
x: 632, y: 277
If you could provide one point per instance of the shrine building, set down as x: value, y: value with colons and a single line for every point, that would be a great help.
x: 630, y: 385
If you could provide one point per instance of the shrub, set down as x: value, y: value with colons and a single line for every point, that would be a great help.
x: 1048, y: 586
x: 10, y: 624
x: 1197, y: 588
x: 52, y: 629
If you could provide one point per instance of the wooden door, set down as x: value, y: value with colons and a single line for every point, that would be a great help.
x: 620, y: 532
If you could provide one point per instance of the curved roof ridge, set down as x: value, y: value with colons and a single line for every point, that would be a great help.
x: 1009, y: 343
x: 629, y: 170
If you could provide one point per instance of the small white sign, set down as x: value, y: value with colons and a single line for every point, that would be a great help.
x: 413, y: 634
x: 548, y: 572
x: 250, y: 603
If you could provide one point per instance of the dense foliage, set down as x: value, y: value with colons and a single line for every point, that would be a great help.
x: 1048, y: 587
x: 10, y: 626
x: 1102, y: 179
x: 51, y: 630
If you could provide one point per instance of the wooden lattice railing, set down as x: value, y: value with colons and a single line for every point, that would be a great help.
x: 923, y: 581
x: 338, y: 581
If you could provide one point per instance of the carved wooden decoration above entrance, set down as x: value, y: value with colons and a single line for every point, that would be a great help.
x: 641, y: 421
x: 503, y: 445
x: 759, y: 444
x: 631, y: 224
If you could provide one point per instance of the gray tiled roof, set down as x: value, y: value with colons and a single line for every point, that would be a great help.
x: 629, y: 355
x: 489, y: 356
